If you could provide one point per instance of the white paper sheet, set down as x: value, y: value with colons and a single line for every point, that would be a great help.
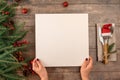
x: 62, y: 39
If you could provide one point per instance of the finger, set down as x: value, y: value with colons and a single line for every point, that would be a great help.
x: 33, y: 60
x: 39, y: 63
x: 85, y: 63
x: 90, y: 63
x: 35, y: 65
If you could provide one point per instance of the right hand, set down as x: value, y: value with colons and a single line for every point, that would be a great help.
x: 86, y: 68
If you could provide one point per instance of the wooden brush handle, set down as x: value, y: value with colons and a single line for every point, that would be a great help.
x: 105, y: 53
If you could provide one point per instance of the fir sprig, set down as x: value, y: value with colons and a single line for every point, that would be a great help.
x: 8, y: 62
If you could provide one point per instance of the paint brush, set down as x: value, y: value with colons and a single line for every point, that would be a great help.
x: 106, y: 34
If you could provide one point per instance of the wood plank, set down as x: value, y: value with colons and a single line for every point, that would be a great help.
x: 105, y: 76
x: 55, y: 76
x: 100, y: 76
x: 71, y: 1
x: 97, y: 13
x: 71, y: 76
x: 100, y: 11
x: 33, y: 77
x: 94, y: 75
x: 52, y: 76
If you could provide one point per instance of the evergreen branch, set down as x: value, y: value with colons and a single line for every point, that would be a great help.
x: 3, y: 16
x: 2, y: 67
x: 15, y: 63
x: 4, y: 54
x: 1, y: 78
x: 8, y: 58
x: 8, y: 47
x: 13, y: 77
x: 1, y: 72
x: 18, y: 27
x: 12, y: 11
x: 10, y: 37
x: 2, y: 32
x: 3, y: 29
x: 3, y: 7
x: 3, y: 19
x: 21, y: 36
x: 12, y: 51
x: 14, y: 57
x: 8, y: 62
x: 12, y: 68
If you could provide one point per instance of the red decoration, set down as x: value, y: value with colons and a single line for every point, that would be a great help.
x: 65, y: 4
x: 19, y: 56
x: 106, y: 31
x: 24, y: 10
x: 28, y: 69
x: 106, y: 28
x: 20, y: 43
x: 7, y: 13
x: 9, y: 24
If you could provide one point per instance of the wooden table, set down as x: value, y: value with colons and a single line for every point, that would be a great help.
x: 100, y: 11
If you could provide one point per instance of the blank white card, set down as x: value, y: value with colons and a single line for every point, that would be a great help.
x: 62, y: 39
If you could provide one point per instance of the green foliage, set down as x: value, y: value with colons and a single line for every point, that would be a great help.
x: 110, y: 48
x: 9, y: 64
x: 5, y: 7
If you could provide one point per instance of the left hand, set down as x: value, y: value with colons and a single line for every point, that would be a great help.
x: 39, y: 69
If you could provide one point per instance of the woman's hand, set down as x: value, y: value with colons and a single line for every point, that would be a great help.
x: 39, y: 69
x: 86, y: 68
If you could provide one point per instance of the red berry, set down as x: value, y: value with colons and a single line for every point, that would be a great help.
x: 7, y: 13
x: 15, y: 44
x: 65, y: 4
x: 25, y: 42
x: 24, y: 10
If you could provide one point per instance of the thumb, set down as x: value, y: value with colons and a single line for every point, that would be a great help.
x: 85, y: 63
x: 90, y: 64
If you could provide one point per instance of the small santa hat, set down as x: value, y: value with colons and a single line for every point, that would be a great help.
x: 106, y: 29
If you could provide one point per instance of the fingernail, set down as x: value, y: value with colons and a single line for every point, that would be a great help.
x: 86, y: 59
x: 37, y: 59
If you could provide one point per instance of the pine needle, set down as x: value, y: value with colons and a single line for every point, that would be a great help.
x: 13, y: 63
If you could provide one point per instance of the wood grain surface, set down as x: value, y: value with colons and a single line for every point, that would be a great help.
x: 100, y: 11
